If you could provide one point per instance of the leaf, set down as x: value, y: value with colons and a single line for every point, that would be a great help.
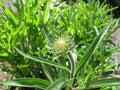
x: 45, y: 19
x: 91, y: 49
x: 109, y: 10
x: 27, y: 82
x: 47, y: 12
x: 48, y: 72
x: 57, y: 85
x: 105, y: 82
x: 42, y: 60
x: 9, y: 13
x: 47, y: 33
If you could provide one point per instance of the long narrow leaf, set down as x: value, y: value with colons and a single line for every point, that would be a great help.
x: 27, y: 82
x: 46, y: 12
x: 91, y: 49
x: 8, y: 12
x: 47, y: 33
x: 57, y: 85
x: 41, y: 60
x: 48, y: 72
x: 105, y: 82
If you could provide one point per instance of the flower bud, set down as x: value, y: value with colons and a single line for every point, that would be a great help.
x: 61, y: 44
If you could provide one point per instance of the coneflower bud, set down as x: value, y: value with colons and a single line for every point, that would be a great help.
x: 61, y: 44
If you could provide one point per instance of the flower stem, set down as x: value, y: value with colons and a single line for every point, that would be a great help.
x: 72, y: 63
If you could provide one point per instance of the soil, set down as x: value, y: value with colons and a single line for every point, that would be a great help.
x: 3, y: 76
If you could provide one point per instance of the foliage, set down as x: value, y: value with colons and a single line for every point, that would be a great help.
x: 57, y: 46
x: 114, y: 3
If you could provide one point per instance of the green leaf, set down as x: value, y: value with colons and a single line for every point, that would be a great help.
x: 91, y: 49
x: 47, y: 33
x: 46, y: 12
x: 105, y: 82
x: 57, y: 85
x: 48, y: 72
x: 42, y: 60
x: 111, y: 9
x: 9, y: 13
x: 27, y: 82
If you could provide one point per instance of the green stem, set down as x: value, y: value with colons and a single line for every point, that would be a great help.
x: 71, y: 59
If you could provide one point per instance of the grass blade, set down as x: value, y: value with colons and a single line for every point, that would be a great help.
x: 9, y: 13
x: 91, y: 49
x: 41, y: 60
x: 27, y: 82
x: 46, y: 12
